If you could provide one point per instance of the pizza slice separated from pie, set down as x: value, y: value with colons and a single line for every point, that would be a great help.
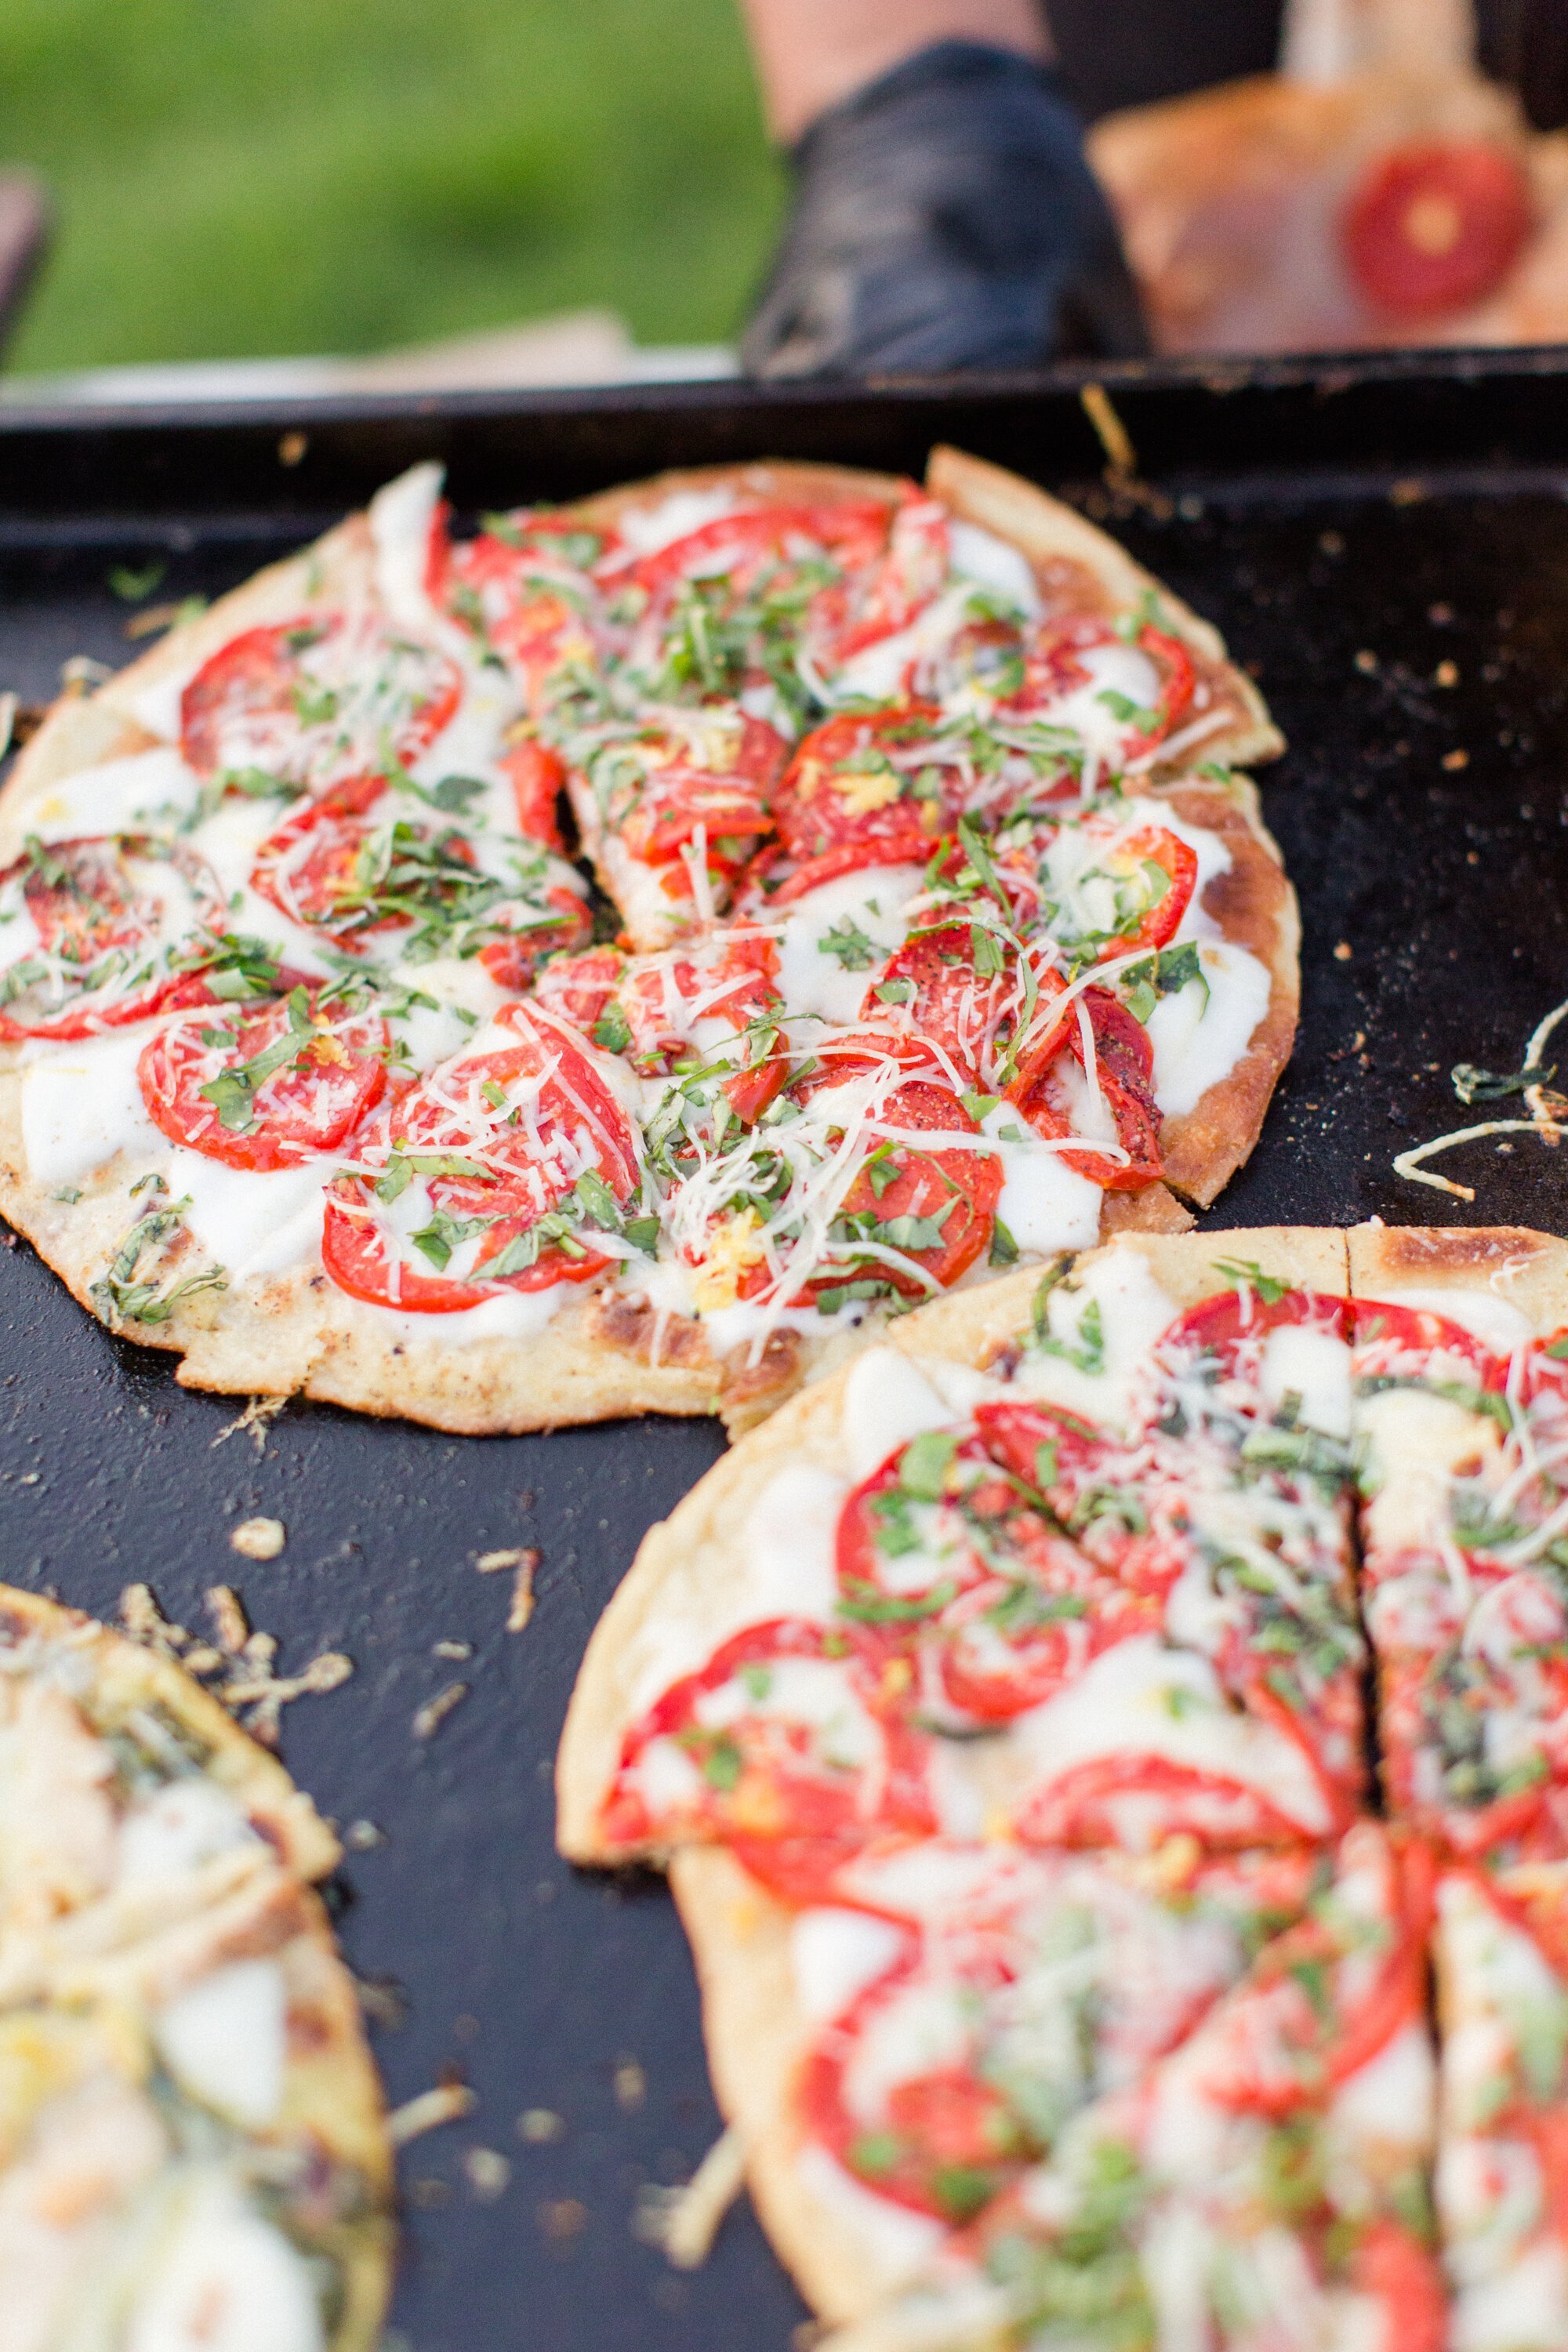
x: 935, y: 931
x: 1462, y: 1398
x: 193, y: 2147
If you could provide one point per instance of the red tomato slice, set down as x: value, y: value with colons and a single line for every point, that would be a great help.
x: 1154, y: 845
x: 951, y: 1004
x: 696, y: 1002
x: 854, y: 531
x: 116, y: 917
x: 1435, y: 225
x: 1391, y: 2264
x: 1094, y: 1803
x: 945, y: 2141
x: 1124, y: 1061
x: 530, y: 1119
x: 578, y: 988
x: 658, y: 815
x: 765, y: 1779
x: 314, y: 869
x: 961, y: 1187
x: 314, y: 701
x: 1399, y: 1340
x: 332, y: 1073
x: 525, y: 591
x: 851, y: 858
x: 913, y: 570
x: 511, y: 960
x: 1053, y: 669
x: 851, y: 781
x: 538, y: 777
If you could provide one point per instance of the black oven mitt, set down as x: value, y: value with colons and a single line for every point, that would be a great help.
x: 943, y: 217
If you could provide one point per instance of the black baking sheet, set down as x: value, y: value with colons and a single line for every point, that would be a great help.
x: 1353, y: 531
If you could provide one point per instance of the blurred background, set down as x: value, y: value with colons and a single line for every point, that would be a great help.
x: 272, y: 178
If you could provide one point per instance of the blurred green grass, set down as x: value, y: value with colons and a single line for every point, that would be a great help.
x: 260, y: 177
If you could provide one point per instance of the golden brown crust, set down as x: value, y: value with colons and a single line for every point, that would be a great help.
x: 768, y: 477
x: 755, y: 2034
x: 1254, y: 906
x: 1051, y: 534
x: 1521, y: 1268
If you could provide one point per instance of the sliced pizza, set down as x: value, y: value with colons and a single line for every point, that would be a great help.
x: 898, y: 2052
x: 1265, y: 2184
x: 1501, y: 1959
x: 193, y: 2148
x: 942, y: 936
x: 1069, y: 1560
x: 1462, y: 1406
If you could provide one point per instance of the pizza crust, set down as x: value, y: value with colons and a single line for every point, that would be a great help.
x: 1526, y: 1270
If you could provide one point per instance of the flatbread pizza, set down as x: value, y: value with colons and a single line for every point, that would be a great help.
x: 193, y: 2147
x: 919, y: 921
x: 998, y: 1711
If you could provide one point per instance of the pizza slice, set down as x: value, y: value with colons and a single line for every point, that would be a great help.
x: 1501, y: 1961
x: 1463, y: 1413
x: 1265, y: 2183
x: 193, y: 2148
x: 897, y: 2052
x: 1072, y: 1558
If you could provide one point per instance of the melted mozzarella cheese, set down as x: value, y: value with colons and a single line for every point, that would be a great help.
x: 1200, y: 1033
x: 229, y: 840
x: 224, y: 2041
x: 510, y: 1315
x: 401, y: 516
x: 1133, y: 1312
x: 1142, y: 1699
x: 886, y: 1400
x: 1522, y: 2308
x: 834, y: 1954
x: 1415, y: 1442
x: 1044, y: 1204
x: 115, y: 796
x: 980, y: 555
x: 81, y: 1103
x: 253, y: 1221
x: 1314, y: 1367
x: 876, y: 674
x: 177, y: 1828
x: 789, y: 1569
x: 227, y: 2281
x: 812, y: 979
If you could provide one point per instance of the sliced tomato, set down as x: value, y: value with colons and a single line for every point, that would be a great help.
x: 314, y: 700
x: 265, y: 1087
x: 1110, y: 1800
x: 538, y: 779
x: 1124, y: 1059
x: 854, y: 531
x: 119, y: 922
x: 323, y: 867
x: 1436, y: 225
x: 765, y: 1773
x: 531, y: 932
x: 579, y: 988
x: 674, y: 778
x: 523, y: 1123
x: 912, y: 574
x: 1392, y: 2266
x: 1053, y: 669
x: 943, y: 2141
x: 700, y: 1002
x: 1392, y: 1341
x: 960, y: 1188
x: 854, y: 780
x: 524, y: 589
x: 932, y: 984
x: 851, y: 858
x: 1155, y: 845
